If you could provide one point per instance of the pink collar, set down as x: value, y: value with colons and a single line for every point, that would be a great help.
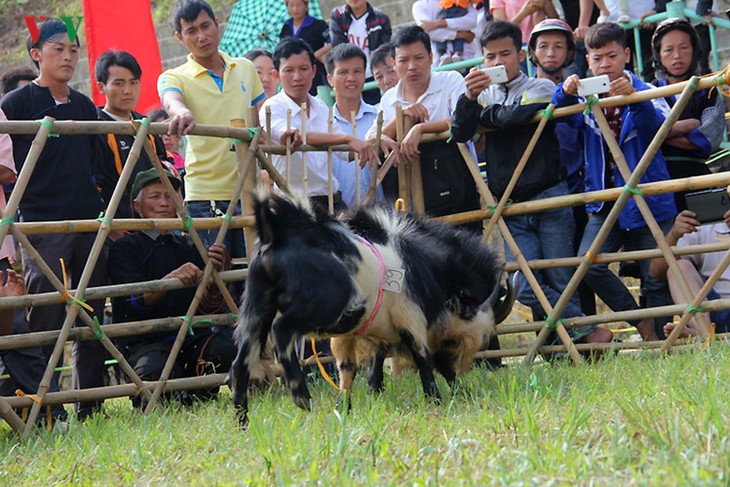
x: 379, y: 300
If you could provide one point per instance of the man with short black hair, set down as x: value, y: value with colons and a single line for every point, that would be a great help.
x: 294, y: 66
x: 15, y: 78
x: 383, y: 68
x: 346, y: 74
x: 210, y: 88
x: 61, y: 188
x: 117, y: 76
x: 428, y: 100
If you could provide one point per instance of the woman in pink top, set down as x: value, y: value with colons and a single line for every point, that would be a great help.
x: 525, y: 13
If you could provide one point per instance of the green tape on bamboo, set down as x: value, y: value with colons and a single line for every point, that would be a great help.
x: 547, y: 113
x: 493, y: 208
x: 226, y: 217
x: 188, y: 223
x: 552, y: 325
x: 694, y: 309
x: 590, y: 101
x: 104, y: 219
x: 49, y: 125
x: 234, y: 316
x: 635, y: 191
x: 190, y: 325
x: 146, y: 123
x: 8, y: 220
x: 98, y: 332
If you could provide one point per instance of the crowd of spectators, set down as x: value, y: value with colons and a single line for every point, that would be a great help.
x: 357, y: 45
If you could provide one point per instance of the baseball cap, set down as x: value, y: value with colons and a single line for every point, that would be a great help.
x: 148, y: 176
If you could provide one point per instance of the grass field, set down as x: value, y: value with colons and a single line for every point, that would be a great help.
x: 629, y: 419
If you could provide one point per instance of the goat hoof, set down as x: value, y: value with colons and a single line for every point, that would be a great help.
x: 343, y: 402
x: 303, y: 402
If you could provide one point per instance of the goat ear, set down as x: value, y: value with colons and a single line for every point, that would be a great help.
x: 501, y: 300
x: 264, y: 217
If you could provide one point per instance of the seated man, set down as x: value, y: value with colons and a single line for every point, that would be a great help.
x: 696, y: 268
x: 148, y: 255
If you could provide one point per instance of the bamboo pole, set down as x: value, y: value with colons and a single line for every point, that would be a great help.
x: 612, y: 217
x: 620, y: 256
x: 72, y: 310
x: 10, y: 417
x: 373, y: 188
x: 96, y: 127
x: 522, y: 262
x: 116, y: 330
x: 613, y: 317
x: 517, y: 173
x: 330, y: 191
x: 274, y: 175
x: 404, y: 170
x: 244, y: 157
x: 357, y: 160
x: 124, y: 390
x: 287, y: 172
x: 416, y: 178
x: 201, y: 289
x: 651, y: 222
x: 303, y: 112
x: 649, y: 189
x: 21, y: 184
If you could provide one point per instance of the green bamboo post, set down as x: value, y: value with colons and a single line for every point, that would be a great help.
x: 201, y: 289
x: 518, y: 171
x: 522, y: 262
x: 613, y: 214
x: 651, y: 222
x: 72, y: 310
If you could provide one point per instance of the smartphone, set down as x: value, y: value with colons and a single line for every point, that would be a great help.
x: 498, y: 74
x: 594, y: 86
x: 709, y: 205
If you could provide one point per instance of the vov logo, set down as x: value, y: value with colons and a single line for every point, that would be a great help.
x: 72, y: 29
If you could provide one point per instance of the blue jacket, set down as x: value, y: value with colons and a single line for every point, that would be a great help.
x: 640, y: 123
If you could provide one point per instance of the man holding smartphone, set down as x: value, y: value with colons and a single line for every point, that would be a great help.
x: 508, y: 109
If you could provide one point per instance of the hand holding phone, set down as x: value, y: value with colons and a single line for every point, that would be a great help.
x: 498, y: 74
x: 594, y: 86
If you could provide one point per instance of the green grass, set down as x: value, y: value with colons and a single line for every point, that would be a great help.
x: 635, y: 420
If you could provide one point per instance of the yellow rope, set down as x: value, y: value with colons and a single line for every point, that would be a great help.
x: 321, y: 367
x: 67, y: 296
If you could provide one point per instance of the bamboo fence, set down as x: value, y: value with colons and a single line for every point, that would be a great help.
x: 250, y: 150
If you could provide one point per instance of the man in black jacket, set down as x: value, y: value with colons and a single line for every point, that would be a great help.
x: 148, y: 255
x: 508, y: 109
x: 117, y: 76
x: 61, y: 188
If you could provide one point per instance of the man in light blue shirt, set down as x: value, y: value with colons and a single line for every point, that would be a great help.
x: 346, y: 73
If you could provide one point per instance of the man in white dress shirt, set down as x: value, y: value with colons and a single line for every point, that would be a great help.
x: 294, y: 67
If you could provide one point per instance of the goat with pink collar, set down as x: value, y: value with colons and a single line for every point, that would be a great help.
x: 375, y: 282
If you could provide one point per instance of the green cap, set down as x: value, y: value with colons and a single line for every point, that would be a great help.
x: 144, y: 178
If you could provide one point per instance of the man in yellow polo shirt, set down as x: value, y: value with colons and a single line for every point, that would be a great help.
x: 210, y: 88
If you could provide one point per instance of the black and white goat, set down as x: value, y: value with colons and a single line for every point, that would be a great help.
x: 377, y: 283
